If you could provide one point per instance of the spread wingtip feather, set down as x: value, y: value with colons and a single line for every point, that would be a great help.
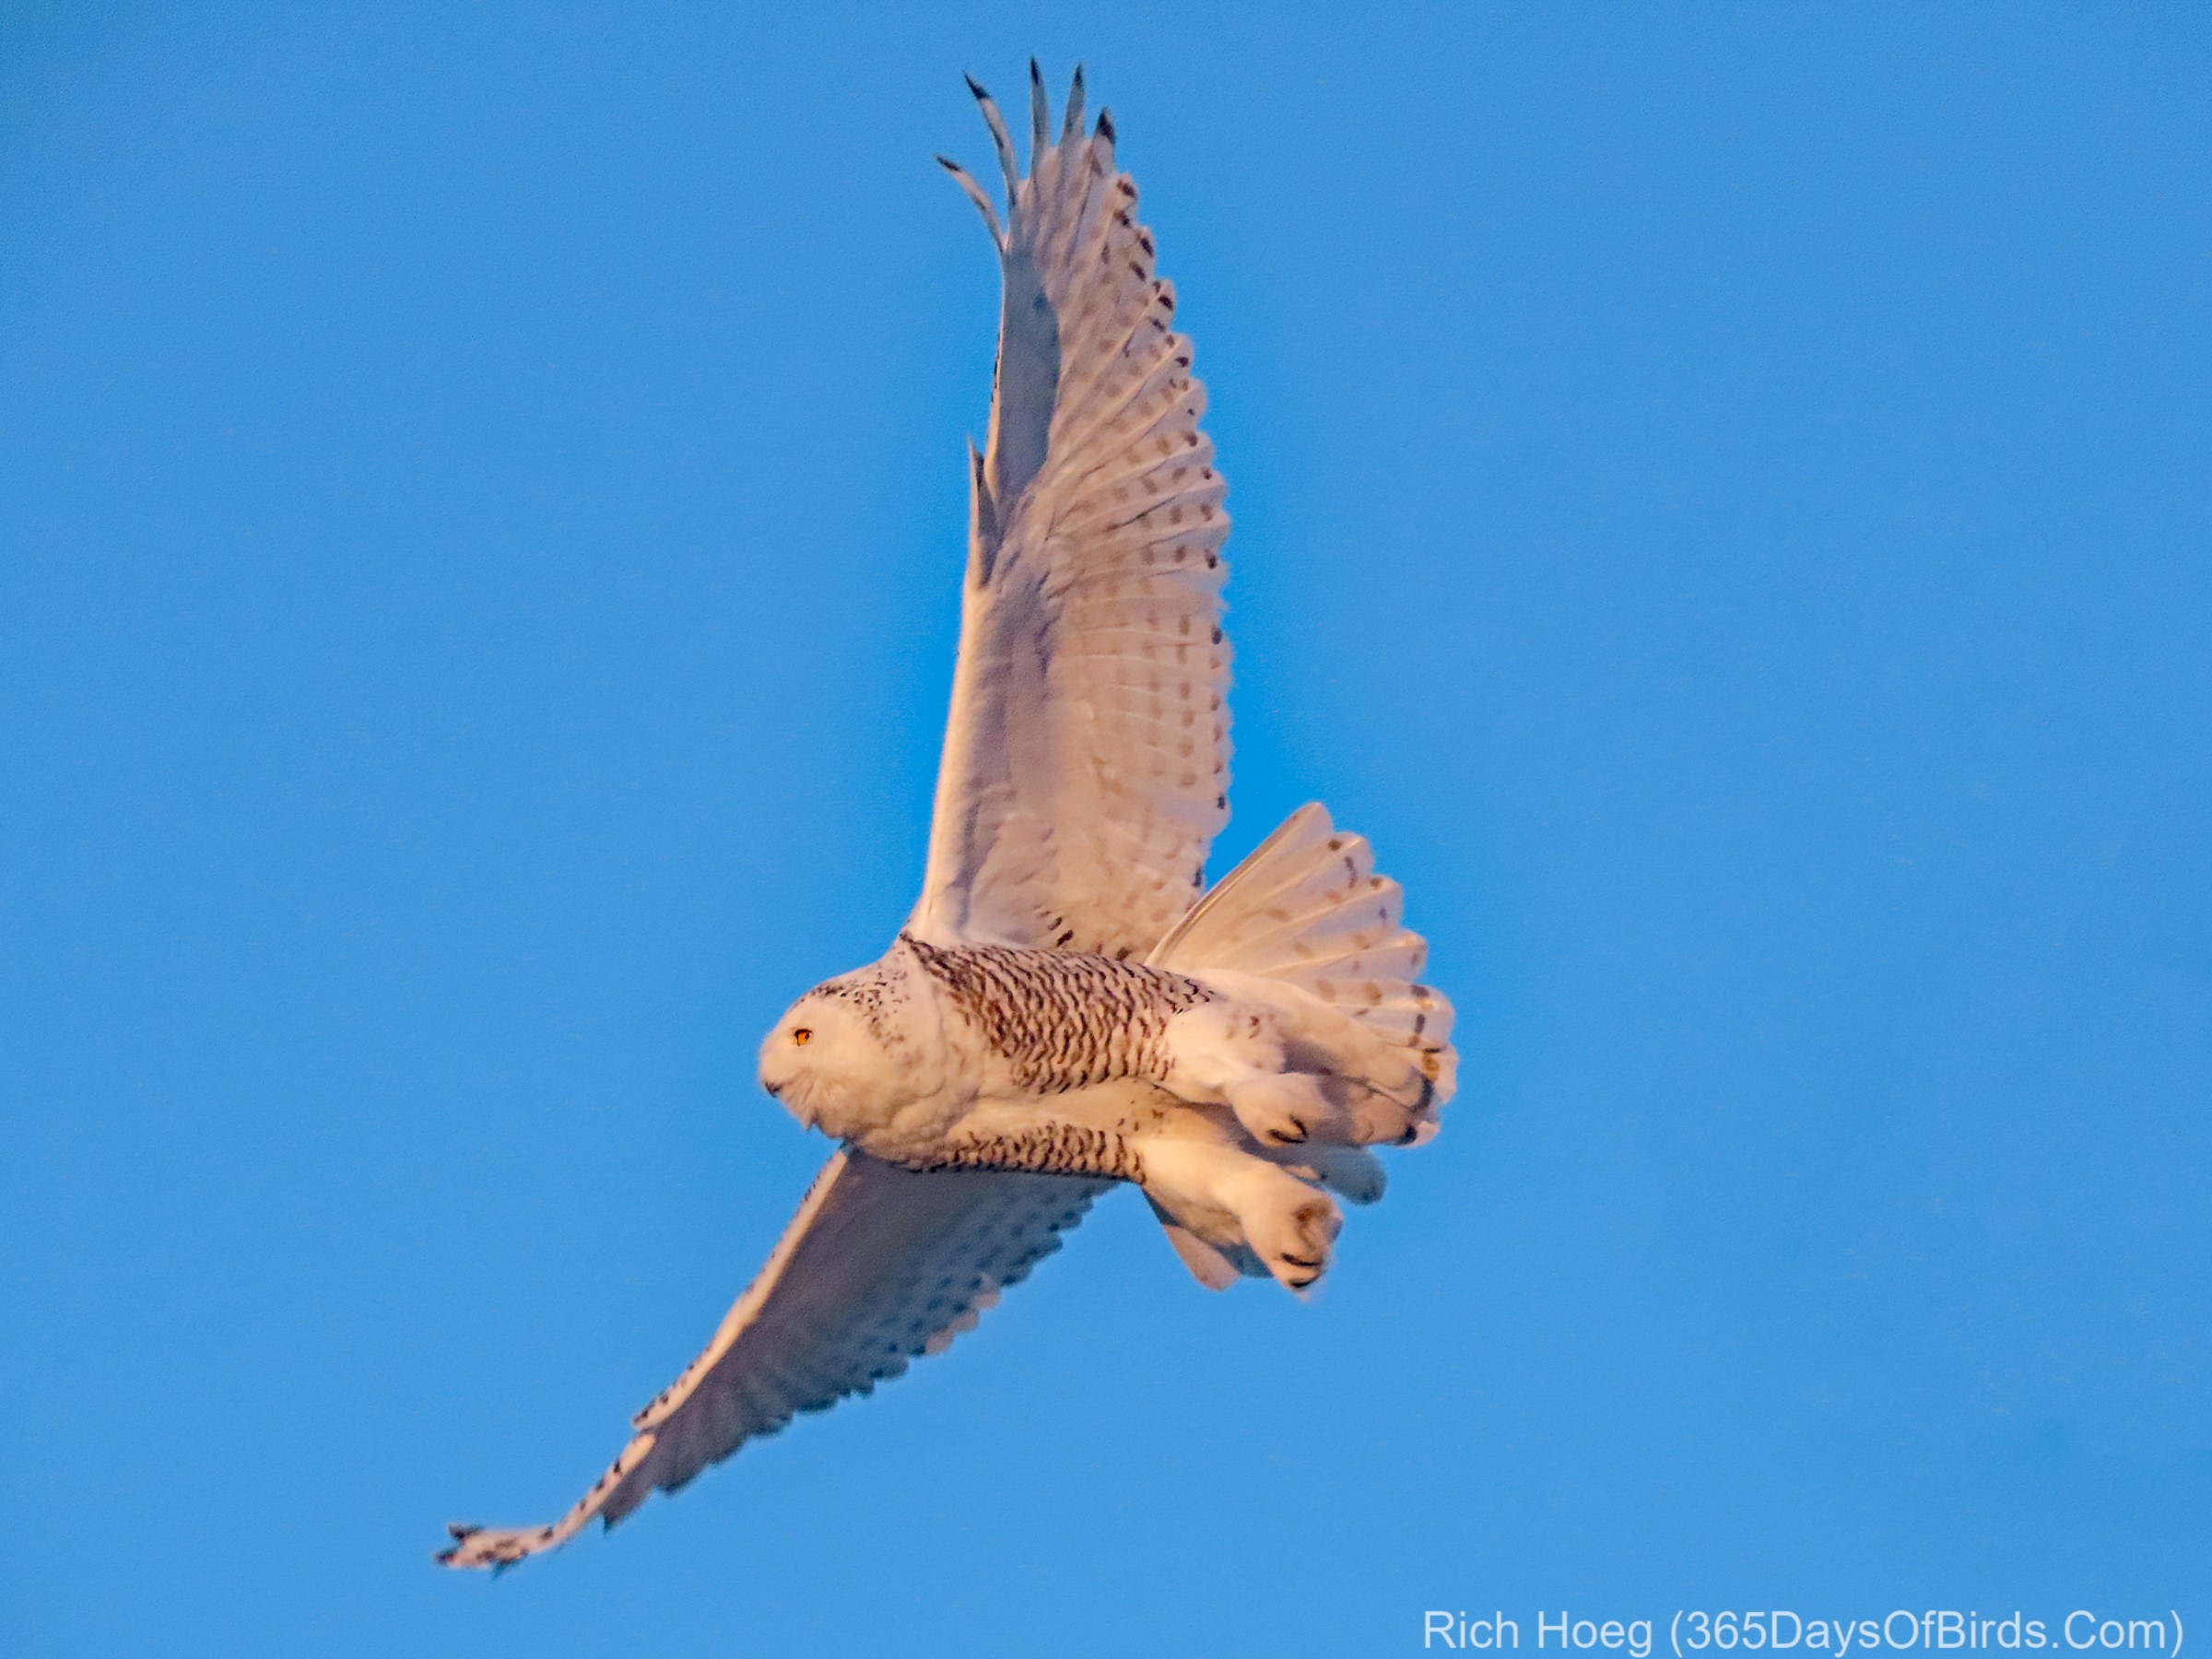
x: 1001, y: 140
x: 975, y: 193
x: 1041, y: 115
x: 1071, y: 121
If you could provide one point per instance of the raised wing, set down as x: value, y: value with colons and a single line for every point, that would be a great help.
x: 1086, y: 763
x: 879, y: 1265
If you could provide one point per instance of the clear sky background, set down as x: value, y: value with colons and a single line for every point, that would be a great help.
x: 1722, y: 501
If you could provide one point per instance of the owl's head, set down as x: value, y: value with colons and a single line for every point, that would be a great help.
x: 841, y: 1059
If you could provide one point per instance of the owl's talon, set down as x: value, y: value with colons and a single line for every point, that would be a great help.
x: 1278, y: 1110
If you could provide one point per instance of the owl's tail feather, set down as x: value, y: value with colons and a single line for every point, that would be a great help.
x: 1306, y: 927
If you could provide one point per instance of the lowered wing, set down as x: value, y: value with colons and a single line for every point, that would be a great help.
x: 879, y: 1265
x: 1086, y: 764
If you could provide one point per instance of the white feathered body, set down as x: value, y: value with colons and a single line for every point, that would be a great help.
x: 1272, y: 1037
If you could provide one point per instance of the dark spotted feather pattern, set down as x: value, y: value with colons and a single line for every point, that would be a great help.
x: 1062, y: 1019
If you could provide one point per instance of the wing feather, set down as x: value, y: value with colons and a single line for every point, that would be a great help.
x: 1085, y: 774
x: 1086, y: 758
x: 879, y: 1267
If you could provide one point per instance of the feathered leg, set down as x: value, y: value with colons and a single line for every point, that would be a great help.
x: 1233, y: 1202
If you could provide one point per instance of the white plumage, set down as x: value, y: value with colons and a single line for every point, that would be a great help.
x: 1086, y: 763
x: 1058, y: 1014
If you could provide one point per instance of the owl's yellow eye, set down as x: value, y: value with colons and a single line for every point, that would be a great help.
x: 802, y: 1037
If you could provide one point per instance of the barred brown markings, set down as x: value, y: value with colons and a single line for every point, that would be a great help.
x: 1050, y: 1149
x: 1063, y: 1020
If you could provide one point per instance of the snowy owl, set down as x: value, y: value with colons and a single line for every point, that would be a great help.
x: 1068, y: 1006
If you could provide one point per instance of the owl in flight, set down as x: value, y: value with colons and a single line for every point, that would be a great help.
x: 1069, y: 1007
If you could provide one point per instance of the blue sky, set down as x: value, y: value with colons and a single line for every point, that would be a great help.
x: 1720, y: 502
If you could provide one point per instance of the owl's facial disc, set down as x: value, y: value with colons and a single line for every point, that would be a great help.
x: 826, y: 1062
